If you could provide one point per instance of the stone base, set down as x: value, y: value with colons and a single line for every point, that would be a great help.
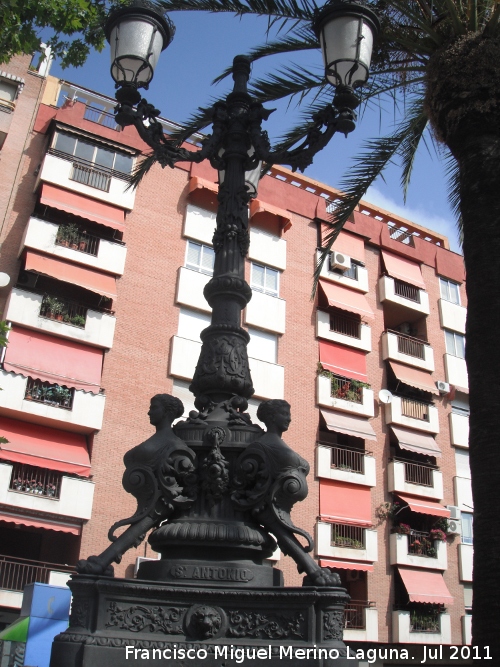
x: 118, y: 622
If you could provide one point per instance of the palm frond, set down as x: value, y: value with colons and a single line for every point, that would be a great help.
x: 408, y: 150
x: 302, y: 40
x: 286, y: 82
x: 367, y: 166
x: 452, y: 172
x: 140, y: 170
x: 279, y: 8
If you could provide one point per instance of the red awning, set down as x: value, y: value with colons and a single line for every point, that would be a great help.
x: 41, y: 523
x: 421, y: 443
x: 348, y: 244
x: 348, y: 424
x: 44, y: 447
x: 83, y: 206
x: 424, y: 506
x: 338, y: 296
x: 414, y: 377
x: 92, y: 280
x: 346, y: 565
x: 55, y: 360
x: 198, y: 183
x: 424, y: 586
x: 345, y: 503
x: 284, y: 217
x: 403, y: 269
x: 345, y: 361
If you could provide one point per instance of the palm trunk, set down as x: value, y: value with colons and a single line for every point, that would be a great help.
x: 479, y: 160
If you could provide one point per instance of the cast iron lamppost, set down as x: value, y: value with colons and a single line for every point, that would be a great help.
x: 237, y: 147
x: 216, y: 489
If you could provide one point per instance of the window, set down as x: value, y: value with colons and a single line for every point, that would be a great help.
x: 264, y: 279
x: 263, y: 345
x: 467, y: 534
x: 200, y: 257
x: 8, y: 93
x: 450, y: 291
x: 95, y: 154
x: 455, y: 344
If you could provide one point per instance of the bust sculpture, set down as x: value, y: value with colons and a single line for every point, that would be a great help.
x: 160, y: 474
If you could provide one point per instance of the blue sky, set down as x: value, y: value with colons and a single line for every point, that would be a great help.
x: 205, y: 44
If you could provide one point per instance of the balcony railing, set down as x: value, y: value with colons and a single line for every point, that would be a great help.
x: 346, y: 389
x: 421, y: 544
x: 35, y: 481
x: 101, y: 117
x: 406, y: 291
x: 347, y: 326
x: 350, y: 537
x: 94, y: 178
x: 51, y: 394
x: 77, y: 240
x: 414, y: 409
x: 355, y: 614
x: 69, y: 312
x: 413, y: 347
x: 351, y: 460
x: 16, y: 573
x: 425, y: 621
x: 402, y: 236
x: 415, y: 473
x: 90, y: 165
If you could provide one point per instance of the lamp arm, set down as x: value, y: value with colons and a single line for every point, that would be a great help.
x: 167, y: 151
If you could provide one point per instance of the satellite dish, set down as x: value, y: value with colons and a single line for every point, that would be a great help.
x: 4, y: 279
x: 385, y: 396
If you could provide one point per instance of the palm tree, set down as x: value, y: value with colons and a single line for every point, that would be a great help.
x: 440, y: 59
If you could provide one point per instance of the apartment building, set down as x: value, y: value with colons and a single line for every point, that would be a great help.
x: 106, y: 307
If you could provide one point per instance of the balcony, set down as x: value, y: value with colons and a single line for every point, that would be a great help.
x: 16, y: 573
x: 359, y: 402
x: 267, y: 249
x: 39, y: 490
x: 452, y: 316
x: 413, y: 414
x: 415, y: 479
x: 456, y: 371
x: 424, y: 627
x: 407, y: 350
x: 80, y: 248
x: 29, y: 310
x: 190, y: 286
x: 355, y: 279
x: 346, y: 542
x: 459, y: 430
x: 266, y: 312
x: 95, y: 182
x: 85, y: 415
x: 344, y: 330
x: 268, y: 379
x: 412, y: 550
x: 395, y: 291
x: 465, y: 556
x: 360, y: 621
x: 345, y: 465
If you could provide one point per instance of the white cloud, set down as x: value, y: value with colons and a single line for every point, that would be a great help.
x: 420, y: 216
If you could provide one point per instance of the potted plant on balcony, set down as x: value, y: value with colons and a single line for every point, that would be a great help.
x: 73, y: 232
x: 438, y: 534
x: 78, y: 321
x: 51, y: 490
x: 62, y: 237
x: 62, y: 396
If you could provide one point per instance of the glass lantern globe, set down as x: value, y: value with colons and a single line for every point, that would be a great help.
x: 346, y: 31
x: 137, y: 34
x: 252, y: 176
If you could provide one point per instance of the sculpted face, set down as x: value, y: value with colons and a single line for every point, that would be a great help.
x: 156, y: 412
x: 282, y: 418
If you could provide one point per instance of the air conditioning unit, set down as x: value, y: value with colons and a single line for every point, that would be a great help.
x: 340, y: 261
x: 27, y: 279
x: 444, y: 387
x: 353, y: 575
x: 454, y: 527
x: 455, y: 513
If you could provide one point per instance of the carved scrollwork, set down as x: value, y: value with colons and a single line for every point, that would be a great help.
x: 266, y: 626
x: 136, y: 618
x: 333, y: 624
x: 214, y: 471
